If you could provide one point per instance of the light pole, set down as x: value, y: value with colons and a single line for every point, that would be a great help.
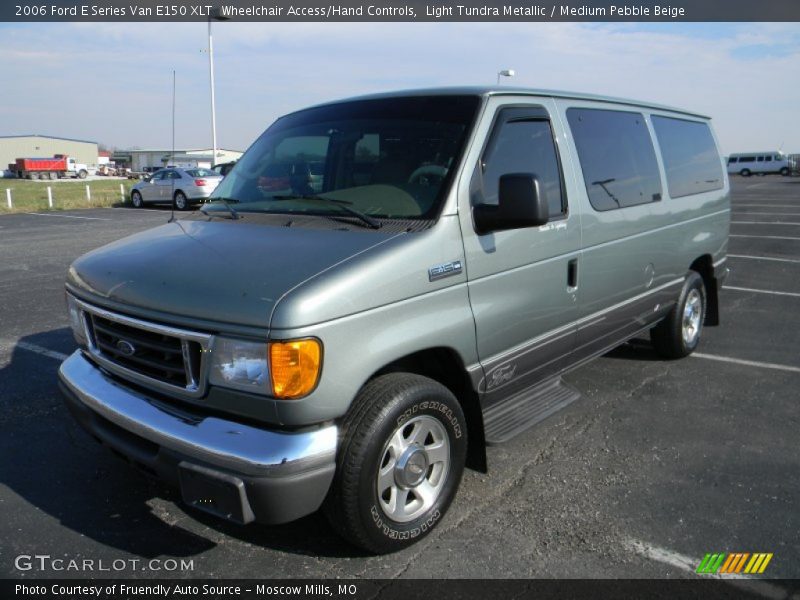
x: 215, y: 16
x: 505, y: 73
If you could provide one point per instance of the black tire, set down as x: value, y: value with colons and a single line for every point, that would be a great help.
x: 136, y: 199
x: 181, y: 201
x: 387, y: 406
x: 668, y: 337
x: 745, y: 173
x: 82, y: 174
x: 785, y: 171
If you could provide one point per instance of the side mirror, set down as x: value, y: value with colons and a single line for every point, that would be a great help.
x: 520, y: 203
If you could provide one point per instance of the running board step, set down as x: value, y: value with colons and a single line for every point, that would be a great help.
x: 511, y: 417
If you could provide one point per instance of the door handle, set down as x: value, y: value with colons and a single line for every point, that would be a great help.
x: 572, y: 275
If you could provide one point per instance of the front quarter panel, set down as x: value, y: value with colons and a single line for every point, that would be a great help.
x: 357, y: 346
x: 376, y: 308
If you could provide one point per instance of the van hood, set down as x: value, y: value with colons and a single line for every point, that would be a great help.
x: 222, y: 271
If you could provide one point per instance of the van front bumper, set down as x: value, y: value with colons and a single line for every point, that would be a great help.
x: 235, y: 471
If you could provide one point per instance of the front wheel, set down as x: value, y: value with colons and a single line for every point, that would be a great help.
x: 136, y: 199
x: 82, y: 174
x: 400, y: 462
x: 785, y: 171
x: 745, y: 173
x: 678, y: 335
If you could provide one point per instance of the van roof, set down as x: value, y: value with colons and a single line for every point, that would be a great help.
x: 515, y: 91
x: 756, y: 153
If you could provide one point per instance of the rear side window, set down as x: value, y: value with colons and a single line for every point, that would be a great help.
x: 732, y: 160
x: 690, y: 155
x: 617, y: 157
x: 201, y: 173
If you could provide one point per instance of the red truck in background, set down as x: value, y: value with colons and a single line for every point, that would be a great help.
x: 56, y: 167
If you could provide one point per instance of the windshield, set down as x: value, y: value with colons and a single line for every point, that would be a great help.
x: 385, y: 158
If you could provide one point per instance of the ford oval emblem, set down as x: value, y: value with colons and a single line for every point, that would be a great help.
x: 126, y: 348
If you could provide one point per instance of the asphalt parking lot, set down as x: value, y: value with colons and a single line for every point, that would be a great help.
x: 657, y: 464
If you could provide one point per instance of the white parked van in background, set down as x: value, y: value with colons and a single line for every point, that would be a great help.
x: 772, y: 161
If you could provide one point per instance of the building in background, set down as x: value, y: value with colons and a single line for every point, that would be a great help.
x: 139, y: 159
x: 13, y: 147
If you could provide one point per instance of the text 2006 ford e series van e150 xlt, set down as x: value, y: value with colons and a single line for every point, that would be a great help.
x: 384, y: 285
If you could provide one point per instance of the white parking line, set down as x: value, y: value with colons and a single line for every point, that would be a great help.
x: 747, y: 363
x: 772, y: 292
x: 788, y: 260
x: 135, y: 210
x: 34, y: 348
x: 68, y: 216
x: 734, y: 205
x: 745, y: 213
x: 688, y: 564
x: 762, y: 223
x: 765, y: 237
x: 668, y: 557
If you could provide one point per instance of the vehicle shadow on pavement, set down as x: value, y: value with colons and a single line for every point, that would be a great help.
x: 309, y: 536
x: 52, y: 465
x: 635, y: 349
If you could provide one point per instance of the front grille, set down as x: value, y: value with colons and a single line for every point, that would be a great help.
x: 154, y: 355
x: 148, y: 353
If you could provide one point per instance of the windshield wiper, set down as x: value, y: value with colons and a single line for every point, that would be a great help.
x: 343, y: 204
x: 225, y: 201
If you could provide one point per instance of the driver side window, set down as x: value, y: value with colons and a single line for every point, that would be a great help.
x: 521, y: 145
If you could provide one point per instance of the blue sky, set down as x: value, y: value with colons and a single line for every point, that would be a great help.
x: 112, y: 82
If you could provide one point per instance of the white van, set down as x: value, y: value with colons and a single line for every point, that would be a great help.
x: 761, y: 163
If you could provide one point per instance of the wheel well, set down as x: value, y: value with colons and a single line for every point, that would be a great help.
x: 445, y: 366
x: 704, y: 265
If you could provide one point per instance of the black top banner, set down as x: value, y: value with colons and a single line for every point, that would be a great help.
x: 399, y: 10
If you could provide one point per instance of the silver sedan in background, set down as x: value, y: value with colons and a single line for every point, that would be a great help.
x: 184, y: 186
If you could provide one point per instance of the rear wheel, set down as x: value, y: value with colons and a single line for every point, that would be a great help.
x: 136, y: 199
x: 678, y: 335
x: 181, y: 202
x: 785, y: 171
x: 399, y: 464
x: 745, y: 173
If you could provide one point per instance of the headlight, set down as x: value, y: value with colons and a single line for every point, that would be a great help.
x: 239, y: 364
x: 294, y: 367
x: 76, y: 320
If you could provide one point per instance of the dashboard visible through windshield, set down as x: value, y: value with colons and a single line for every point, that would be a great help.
x: 388, y: 158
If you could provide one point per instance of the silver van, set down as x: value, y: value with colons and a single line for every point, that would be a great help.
x: 382, y: 286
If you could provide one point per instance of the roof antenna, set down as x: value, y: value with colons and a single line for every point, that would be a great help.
x: 172, y: 157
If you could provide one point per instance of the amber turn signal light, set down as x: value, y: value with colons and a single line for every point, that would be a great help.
x: 294, y: 367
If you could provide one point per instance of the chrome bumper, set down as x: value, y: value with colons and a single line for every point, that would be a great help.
x: 228, y: 445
